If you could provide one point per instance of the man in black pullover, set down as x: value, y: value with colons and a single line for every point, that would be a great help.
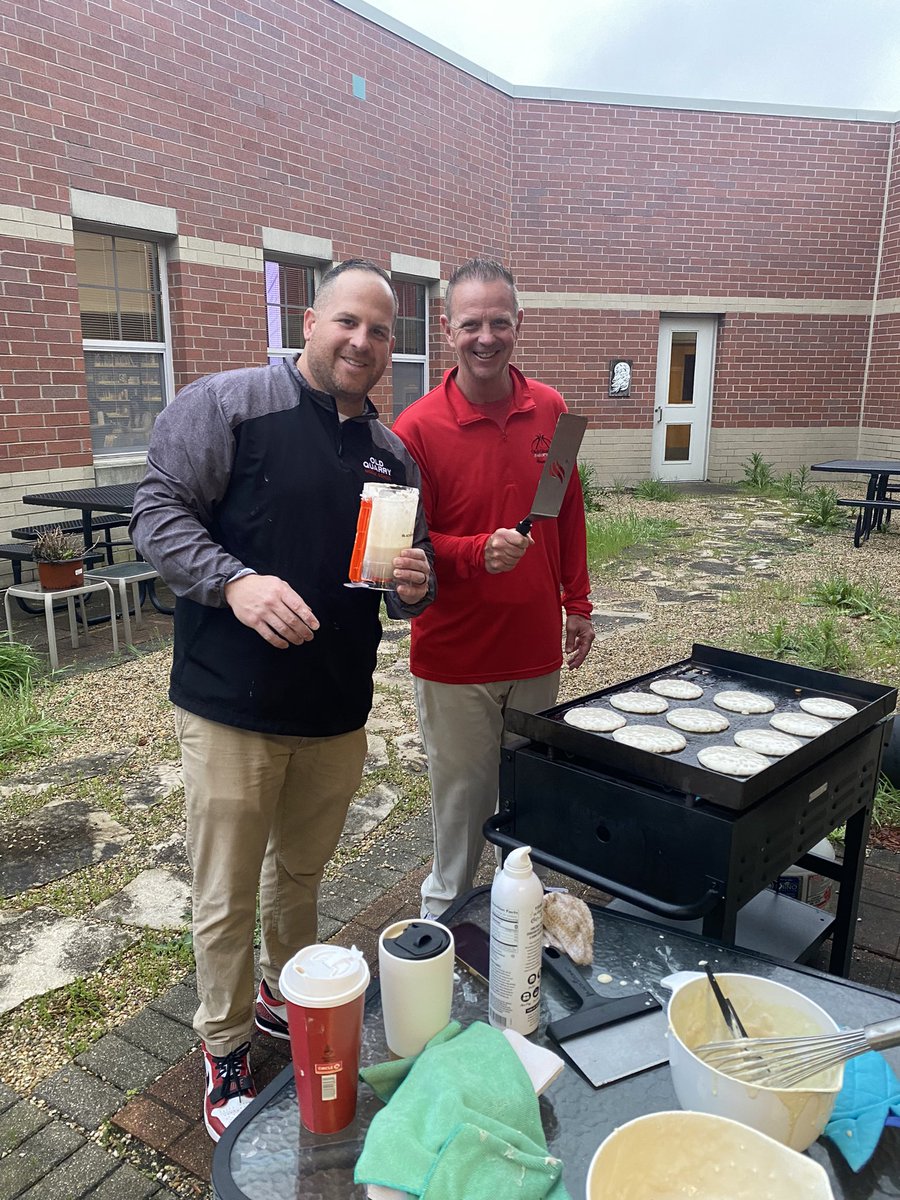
x: 248, y: 511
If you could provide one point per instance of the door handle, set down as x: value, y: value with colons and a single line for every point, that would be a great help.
x: 658, y: 411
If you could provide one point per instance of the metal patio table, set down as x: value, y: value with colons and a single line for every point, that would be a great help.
x: 109, y: 498
x: 266, y: 1154
x: 870, y: 516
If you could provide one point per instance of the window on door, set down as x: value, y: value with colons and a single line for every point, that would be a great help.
x: 124, y: 323
x: 290, y: 290
x: 409, y: 368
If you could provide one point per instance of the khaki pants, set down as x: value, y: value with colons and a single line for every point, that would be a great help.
x: 264, y: 812
x: 462, y: 731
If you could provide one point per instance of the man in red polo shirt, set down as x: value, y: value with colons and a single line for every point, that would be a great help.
x: 492, y: 639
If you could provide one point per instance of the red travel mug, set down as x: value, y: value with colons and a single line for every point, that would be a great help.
x: 324, y: 990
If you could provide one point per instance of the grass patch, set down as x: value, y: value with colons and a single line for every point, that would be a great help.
x: 19, y: 666
x: 591, y: 490
x: 608, y: 536
x: 886, y: 810
x: 819, y: 508
x: 655, y: 489
x: 818, y: 644
x: 77, y: 1015
x: 24, y: 730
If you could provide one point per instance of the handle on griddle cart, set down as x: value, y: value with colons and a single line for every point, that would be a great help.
x: 493, y: 831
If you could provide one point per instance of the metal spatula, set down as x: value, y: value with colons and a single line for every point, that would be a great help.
x: 785, y: 1061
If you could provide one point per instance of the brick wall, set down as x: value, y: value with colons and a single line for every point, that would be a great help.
x: 789, y: 370
x: 618, y: 199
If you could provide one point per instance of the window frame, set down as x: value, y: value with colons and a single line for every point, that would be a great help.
x: 413, y: 358
x: 107, y: 345
x: 316, y: 268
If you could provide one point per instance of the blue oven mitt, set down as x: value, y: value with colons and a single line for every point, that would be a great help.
x: 871, y: 1093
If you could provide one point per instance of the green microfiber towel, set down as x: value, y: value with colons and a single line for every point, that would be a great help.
x: 462, y: 1121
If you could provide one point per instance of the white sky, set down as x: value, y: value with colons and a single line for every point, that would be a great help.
x: 829, y: 53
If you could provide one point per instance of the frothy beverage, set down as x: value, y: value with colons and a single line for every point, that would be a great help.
x: 324, y: 990
x: 386, y: 524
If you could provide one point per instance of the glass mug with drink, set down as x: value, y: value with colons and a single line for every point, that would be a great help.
x: 387, y: 519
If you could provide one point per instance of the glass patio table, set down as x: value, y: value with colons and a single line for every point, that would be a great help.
x: 267, y: 1155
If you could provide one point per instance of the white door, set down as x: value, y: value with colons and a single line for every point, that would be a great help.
x: 681, y: 415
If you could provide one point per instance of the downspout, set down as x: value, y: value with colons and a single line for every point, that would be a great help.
x: 872, y: 311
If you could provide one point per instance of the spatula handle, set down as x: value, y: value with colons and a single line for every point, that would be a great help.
x: 883, y: 1034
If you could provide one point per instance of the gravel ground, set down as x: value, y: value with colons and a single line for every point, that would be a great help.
x: 125, y: 706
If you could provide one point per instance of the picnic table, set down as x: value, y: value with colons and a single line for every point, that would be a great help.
x: 875, y: 510
x: 267, y: 1154
x: 111, y: 498
x: 117, y: 498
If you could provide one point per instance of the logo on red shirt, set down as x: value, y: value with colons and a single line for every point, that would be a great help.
x: 540, y: 448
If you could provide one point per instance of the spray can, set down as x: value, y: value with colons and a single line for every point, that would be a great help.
x: 517, y: 928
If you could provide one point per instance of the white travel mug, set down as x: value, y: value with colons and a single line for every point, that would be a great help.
x: 415, y: 967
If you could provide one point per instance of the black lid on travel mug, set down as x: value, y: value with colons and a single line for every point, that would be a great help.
x: 418, y: 941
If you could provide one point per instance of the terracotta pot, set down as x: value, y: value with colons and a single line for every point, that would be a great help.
x: 54, y: 576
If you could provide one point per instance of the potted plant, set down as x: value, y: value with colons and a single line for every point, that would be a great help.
x: 60, y: 559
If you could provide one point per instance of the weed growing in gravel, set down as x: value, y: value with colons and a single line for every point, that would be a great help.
x: 78, y: 1014
x: 820, y: 509
x: 618, y: 487
x: 590, y: 488
x: 886, y: 811
x: 609, y: 535
x: 773, y: 642
x: 655, y: 489
x: 759, y: 475
x: 817, y: 644
x: 821, y: 645
x: 793, y: 487
x: 852, y: 598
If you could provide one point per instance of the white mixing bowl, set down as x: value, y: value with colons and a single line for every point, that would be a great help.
x: 670, y: 1155
x: 793, y: 1116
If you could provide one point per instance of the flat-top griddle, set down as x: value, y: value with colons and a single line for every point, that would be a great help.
x: 715, y: 671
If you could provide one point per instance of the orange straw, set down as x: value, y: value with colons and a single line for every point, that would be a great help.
x: 359, y: 545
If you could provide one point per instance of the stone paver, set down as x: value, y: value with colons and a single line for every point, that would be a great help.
x: 155, y: 899
x: 7, y: 1097
x: 179, y: 1002
x: 58, y: 839
x: 127, y: 1183
x: 158, y: 1034
x: 152, y: 1123
x: 77, y: 1176
x: 37, y: 1156
x: 116, y: 1060
x: 81, y: 1096
x: 18, y: 1122
x: 43, y: 951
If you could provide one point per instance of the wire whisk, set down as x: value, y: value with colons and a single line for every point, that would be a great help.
x: 783, y: 1062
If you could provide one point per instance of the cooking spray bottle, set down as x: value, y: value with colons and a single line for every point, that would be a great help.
x: 517, y: 928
